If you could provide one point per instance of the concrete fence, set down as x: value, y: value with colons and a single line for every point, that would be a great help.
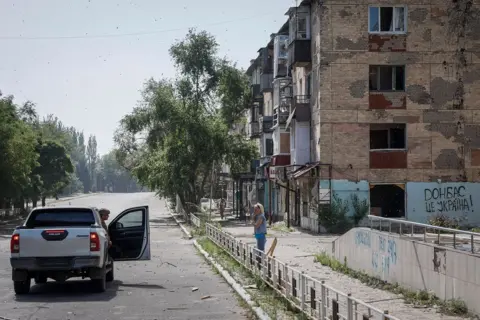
x: 416, y: 256
x: 316, y: 299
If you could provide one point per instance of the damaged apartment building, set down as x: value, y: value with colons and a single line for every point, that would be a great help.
x: 370, y: 103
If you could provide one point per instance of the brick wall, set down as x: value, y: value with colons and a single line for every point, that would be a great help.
x: 440, y: 104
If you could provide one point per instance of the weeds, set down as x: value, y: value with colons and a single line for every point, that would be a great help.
x: 276, y: 306
x: 417, y: 298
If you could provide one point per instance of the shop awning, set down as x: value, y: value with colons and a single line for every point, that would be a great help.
x: 304, y: 170
x: 290, y: 117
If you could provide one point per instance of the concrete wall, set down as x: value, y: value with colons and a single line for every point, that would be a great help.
x: 455, y: 200
x: 440, y: 105
x: 416, y: 265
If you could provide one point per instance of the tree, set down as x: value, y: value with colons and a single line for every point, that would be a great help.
x: 171, y: 141
x: 18, y: 156
x: 92, y: 158
x: 54, y: 169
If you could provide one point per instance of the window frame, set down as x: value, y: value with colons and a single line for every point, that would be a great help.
x: 405, y: 19
x: 389, y: 138
x: 394, y: 74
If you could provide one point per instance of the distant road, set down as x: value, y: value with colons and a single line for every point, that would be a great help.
x: 147, y: 290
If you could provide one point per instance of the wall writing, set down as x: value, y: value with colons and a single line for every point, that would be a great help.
x: 363, y: 238
x: 385, y: 256
x: 447, y: 199
x: 453, y: 199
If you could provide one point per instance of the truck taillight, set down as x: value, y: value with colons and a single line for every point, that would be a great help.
x: 94, y: 242
x: 15, y: 244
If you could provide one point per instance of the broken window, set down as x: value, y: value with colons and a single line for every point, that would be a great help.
x: 387, y: 136
x: 269, y: 147
x: 387, y: 78
x: 387, y: 19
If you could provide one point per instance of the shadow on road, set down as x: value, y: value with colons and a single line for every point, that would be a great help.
x: 78, y: 291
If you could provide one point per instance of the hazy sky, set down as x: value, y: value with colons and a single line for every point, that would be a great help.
x: 55, y: 52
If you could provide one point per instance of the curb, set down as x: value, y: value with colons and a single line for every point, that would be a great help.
x: 187, y: 233
x: 262, y: 315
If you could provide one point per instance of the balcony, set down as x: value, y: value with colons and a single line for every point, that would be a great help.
x: 280, y: 116
x: 301, y: 105
x: 266, y: 59
x: 266, y: 124
x: 254, y: 129
x: 256, y: 93
x: 299, y: 109
x: 266, y: 82
x: 299, y: 53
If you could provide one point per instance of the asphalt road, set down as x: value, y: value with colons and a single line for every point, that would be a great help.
x: 156, y: 289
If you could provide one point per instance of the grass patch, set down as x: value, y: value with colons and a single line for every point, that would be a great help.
x: 270, y: 301
x: 421, y: 298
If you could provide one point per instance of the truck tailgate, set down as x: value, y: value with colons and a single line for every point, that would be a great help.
x: 54, y: 242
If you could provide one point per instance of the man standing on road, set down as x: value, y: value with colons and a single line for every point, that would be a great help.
x: 104, y: 214
x: 260, y: 226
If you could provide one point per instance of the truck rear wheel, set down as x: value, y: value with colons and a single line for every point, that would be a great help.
x: 100, y: 284
x: 110, y: 274
x: 22, y: 287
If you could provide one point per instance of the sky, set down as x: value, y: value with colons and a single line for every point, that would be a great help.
x: 85, y: 61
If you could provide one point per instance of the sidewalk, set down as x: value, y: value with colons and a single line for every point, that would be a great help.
x: 298, y: 250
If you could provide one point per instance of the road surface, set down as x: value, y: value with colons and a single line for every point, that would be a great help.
x: 156, y: 289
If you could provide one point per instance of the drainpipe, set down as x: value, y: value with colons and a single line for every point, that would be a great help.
x: 287, y: 203
x: 270, y: 185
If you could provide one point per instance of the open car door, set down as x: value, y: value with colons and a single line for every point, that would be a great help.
x: 130, y: 235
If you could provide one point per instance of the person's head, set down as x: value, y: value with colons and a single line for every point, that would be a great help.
x: 104, y: 213
x: 258, y: 208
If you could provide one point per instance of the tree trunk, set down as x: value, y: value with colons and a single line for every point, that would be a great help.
x: 43, y: 201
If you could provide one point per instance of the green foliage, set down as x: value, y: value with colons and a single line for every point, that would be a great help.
x: 54, y: 168
x: 18, y: 154
x: 179, y: 132
x: 44, y: 158
x: 442, y: 220
x: 335, y: 217
x: 361, y: 208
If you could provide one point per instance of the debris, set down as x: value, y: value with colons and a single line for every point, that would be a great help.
x: 206, y: 297
x: 194, y: 289
x: 250, y: 286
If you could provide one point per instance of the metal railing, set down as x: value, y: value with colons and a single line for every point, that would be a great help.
x: 195, y: 220
x: 314, y: 298
x: 440, y: 235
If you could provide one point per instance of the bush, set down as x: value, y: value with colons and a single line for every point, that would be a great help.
x: 444, y: 221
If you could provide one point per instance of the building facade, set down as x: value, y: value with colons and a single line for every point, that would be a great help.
x: 376, y: 103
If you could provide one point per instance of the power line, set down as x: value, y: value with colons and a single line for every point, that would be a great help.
x: 119, y: 35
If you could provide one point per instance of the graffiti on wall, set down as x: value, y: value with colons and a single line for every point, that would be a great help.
x: 385, y: 256
x: 454, y: 199
x: 363, y: 238
x: 447, y: 199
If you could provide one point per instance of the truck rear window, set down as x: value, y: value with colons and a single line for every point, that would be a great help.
x: 60, y: 217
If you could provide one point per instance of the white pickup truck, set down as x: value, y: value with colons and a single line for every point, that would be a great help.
x: 66, y: 242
